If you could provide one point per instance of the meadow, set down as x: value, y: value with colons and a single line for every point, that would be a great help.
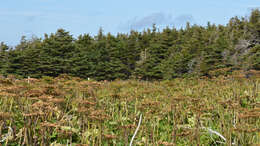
x: 71, y: 111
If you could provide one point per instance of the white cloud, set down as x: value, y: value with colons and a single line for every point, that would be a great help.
x: 158, y: 19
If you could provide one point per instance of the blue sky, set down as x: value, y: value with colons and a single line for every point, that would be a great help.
x: 36, y: 17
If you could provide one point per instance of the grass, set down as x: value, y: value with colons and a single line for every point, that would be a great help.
x: 68, y: 110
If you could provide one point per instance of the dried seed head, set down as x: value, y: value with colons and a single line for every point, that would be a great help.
x: 57, y: 100
x: 107, y: 136
x: 47, y: 124
x: 34, y: 114
x: 166, y: 143
x: 45, y: 97
x: 5, y: 115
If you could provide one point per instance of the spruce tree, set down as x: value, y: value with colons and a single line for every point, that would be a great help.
x: 57, y: 53
x: 3, y: 58
x: 151, y: 67
x: 83, y: 61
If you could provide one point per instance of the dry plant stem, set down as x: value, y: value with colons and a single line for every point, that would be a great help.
x: 1, y: 125
x: 126, y: 136
x: 197, y: 136
x: 174, y: 122
x: 139, y: 123
x: 229, y: 112
x: 100, y: 134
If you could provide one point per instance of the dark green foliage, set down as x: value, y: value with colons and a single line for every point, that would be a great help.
x: 57, y: 53
x: 84, y: 57
x: 32, y: 58
x: 153, y: 56
x: 253, y: 58
x: 148, y: 55
x: 3, y: 58
x: 254, y: 26
x: 178, y: 64
x: 15, y: 62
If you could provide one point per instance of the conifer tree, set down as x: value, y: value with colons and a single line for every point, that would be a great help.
x: 83, y: 61
x: 151, y: 68
x: 56, y: 55
x: 31, y: 60
x: 101, y: 58
x: 3, y: 58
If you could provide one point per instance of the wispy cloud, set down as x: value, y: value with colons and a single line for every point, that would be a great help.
x: 156, y: 18
x: 28, y: 16
x: 31, y: 16
x: 146, y: 21
x: 180, y: 21
x: 160, y: 19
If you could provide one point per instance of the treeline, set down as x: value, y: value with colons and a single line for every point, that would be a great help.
x: 148, y: 55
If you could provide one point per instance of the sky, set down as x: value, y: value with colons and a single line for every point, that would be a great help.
x: 36, y: 17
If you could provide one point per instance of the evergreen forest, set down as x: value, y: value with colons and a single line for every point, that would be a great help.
x: 152, y: 54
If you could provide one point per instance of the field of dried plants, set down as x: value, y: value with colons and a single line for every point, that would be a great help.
x: 71, y: 111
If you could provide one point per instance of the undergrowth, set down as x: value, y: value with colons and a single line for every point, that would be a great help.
x: 68, y: 110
